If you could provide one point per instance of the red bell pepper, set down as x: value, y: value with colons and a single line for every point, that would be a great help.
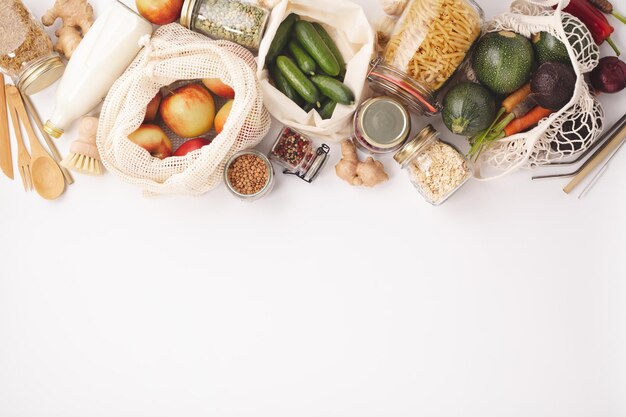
x: 595, y: 21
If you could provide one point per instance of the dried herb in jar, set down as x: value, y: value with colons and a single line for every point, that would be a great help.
x: 22, y: 39
x: 234, y: 20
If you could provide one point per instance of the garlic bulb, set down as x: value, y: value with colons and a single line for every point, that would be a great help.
x: 393, y: 7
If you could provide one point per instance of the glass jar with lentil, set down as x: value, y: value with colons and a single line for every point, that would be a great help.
x: 239, y: 21
x: 249, y: 175
x: 435, y: 168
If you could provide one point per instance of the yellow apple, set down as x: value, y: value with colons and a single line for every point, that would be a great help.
x: 189, y: 111
x: 222, y: 116
x: 153, y: 108
x: 153, y: 139
x: 217, y: 87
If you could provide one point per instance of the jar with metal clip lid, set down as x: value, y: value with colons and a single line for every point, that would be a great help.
x: 239, y: 21
x: 296, y: 153
x: 435, y: 168
x: 26, y: 51
x: 429, y: 42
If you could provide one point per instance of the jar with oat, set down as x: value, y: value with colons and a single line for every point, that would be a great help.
x: 239, y: 21
x: 26, y: 52
x: 435, y: 168
x: 429, y: 42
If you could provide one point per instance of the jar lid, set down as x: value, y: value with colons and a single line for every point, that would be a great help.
x: 41, y: 75
x: 383, y: 122
x: 187, y: 12
x: 414, y: 145
x: 389, y: 80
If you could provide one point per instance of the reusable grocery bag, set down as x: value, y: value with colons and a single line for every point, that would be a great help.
x: 174, y: 54
x: 348, y: 26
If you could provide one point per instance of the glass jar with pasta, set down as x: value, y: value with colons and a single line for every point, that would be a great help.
x: 429, y: 42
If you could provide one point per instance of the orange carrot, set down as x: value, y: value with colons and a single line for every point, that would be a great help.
x: 528, y: 120
x: 516, y: 97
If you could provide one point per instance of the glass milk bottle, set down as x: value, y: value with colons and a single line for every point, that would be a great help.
x: 102, y: 56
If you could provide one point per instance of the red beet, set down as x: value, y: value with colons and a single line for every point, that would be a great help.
x: 610, y: 75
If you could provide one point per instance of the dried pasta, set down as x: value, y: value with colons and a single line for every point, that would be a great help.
x: 431, y: 40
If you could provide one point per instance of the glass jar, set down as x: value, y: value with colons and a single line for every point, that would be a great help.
x: 26, y: 53
x: 429, y: 42
x: 239, y: 21
x: 296, y: 153
x: 435, y: 168
x: 381, y: 125
x: 249, y: 175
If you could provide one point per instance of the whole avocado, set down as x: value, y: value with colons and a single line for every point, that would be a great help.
x: 503, y: 61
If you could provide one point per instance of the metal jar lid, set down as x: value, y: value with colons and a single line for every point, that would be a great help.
x: 408, y: 151
x: 41, y: 75
x: 186, y: 13
x: 383, y: 122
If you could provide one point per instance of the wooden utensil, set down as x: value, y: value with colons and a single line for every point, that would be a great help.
x: 53, y: 149
x: 23, y: 157
x: 46, y: 174
x: 6, y: 159
x: 593, y: 163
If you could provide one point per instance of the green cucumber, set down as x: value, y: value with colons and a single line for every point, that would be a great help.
x: 298, y: 80
x: 283, y: 34
x: 333, y: 89
x: 327, y: 109
x: 281, y: 83
x: 304, y: 60
x: 308, y: 107
x: 332, y: 46
x: 313, y: 43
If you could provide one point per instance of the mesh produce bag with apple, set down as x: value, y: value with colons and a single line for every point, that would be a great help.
x: 175, y: 54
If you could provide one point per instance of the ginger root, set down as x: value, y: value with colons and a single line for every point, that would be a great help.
x: 368, y: 173
x: 77, y: 16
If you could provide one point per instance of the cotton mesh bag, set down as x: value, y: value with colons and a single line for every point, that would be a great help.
x: 566, y: 132
x: 174, y: 55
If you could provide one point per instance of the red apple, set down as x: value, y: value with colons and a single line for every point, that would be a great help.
x: 222, y: 116
x: 153, y: 139
x: 191, y: 145
x: 217, y: 87
x: 189, y: 111
x: 160, y: 12
x: 153, y: 108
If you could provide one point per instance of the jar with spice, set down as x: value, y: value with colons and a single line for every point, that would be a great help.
x: 429, y: 42
x: 435, y: 168
x: 26, y: 51
x: 239, y: 21
x: 295, y: 152
x: 381, y: 125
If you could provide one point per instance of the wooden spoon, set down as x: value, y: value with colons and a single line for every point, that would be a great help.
x: 47, y: 176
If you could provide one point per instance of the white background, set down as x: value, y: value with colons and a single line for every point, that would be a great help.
x: 319, y: 300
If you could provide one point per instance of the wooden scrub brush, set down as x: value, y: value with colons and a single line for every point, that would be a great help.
x: 84, y: 156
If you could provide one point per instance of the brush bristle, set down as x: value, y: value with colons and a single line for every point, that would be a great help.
x: 83, y: 164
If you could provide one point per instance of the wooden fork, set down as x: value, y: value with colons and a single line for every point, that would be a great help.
x: 23, y: 157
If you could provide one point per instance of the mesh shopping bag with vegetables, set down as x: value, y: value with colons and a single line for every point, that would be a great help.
x: 532, y: 60
x: 179, y: 63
